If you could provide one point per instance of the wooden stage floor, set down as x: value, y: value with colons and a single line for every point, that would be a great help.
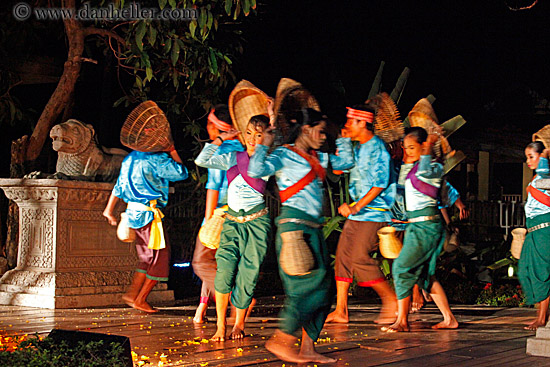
x: 488, y: 336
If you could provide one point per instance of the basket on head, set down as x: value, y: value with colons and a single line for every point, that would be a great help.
x: 387, y: 124
x: 210, y: 232
x: 389, y: 244
x: 543, y: 135
x: 518, y: 236
x: 246, y: 101
x: 290, y: 97
x: 423, y: 115
x: 147, y: 129
x: 296, y: 257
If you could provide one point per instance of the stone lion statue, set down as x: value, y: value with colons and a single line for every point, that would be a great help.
x: 80, y: 156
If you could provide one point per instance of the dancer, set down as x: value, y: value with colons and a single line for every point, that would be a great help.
x: 373, y: 193
x: 204, y: 258
x: 245, y: 232
x: 143, y: 185
x: 425, y: 235
x: 300, y: 171
x: 534, y: 262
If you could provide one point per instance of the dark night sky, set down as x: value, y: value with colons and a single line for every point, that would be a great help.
x: 466, y: 53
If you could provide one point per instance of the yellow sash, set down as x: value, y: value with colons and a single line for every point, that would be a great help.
x: 156, y: 234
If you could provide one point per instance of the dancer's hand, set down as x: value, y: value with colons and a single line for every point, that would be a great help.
x: 429, y: 143
x: 347, y: 210
x: 545, y: 153
x: 110, y: 218
x: 226, y: 135
x: 267, y: 137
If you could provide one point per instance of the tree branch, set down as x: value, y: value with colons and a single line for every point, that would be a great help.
x: 88, y: 31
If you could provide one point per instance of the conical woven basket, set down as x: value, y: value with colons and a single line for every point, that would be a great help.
x: 518, y: 237
x: 290, y: 97
x: 387, y: 123
x: 295, y: 257
x: 147, y: 129
x: 123, y: 232
x: 543, y: 135
x: 246, y: 101
x: 389, y: 244
x: 423, y: 115
x: 210, y: 232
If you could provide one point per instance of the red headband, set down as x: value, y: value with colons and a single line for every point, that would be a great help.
x: 360, y: 115
x: 220, y: 125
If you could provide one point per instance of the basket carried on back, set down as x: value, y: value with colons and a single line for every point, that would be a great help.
x: 389, y: 244
x: 290, y: 97
x: 147, y: 129
x: 387, y: 124
x: 423, y: 115
x: 246, y: 101
x: 296, y: 257
x: 543, y: 135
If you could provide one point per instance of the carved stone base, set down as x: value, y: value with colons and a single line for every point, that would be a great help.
x: 68, y: 254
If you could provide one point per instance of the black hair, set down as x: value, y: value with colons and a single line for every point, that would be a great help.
x: 368, y: 106
x: 419, y: 134
x: 303, y: 117
x: 261, y: 121
x: 221, y: 111
x: 537, y: 146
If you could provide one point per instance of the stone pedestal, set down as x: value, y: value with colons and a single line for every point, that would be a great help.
x: 69, y: 256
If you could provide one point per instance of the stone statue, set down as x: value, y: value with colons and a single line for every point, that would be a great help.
x: 80, y: 157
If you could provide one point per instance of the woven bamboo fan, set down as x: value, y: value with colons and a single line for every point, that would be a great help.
x: 423, y: 115
x: 210, y: 232
x: 295, y: 257
x: 389, y: 244
x: 246, y: 101
x: 290, y: 97
x: 387, y: 124
x: 147, y: 129
x: 543, y: 135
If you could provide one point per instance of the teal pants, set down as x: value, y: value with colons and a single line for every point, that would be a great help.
x: 418, y: 258
x: 534, y: 262
x: 308, y: 297
x: 242, y: 250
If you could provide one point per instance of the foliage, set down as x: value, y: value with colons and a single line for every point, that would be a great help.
x: 34, y: 352
x: 508, y: 295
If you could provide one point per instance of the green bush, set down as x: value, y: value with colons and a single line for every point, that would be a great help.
x: 34, y: 352
x: 508, y: 295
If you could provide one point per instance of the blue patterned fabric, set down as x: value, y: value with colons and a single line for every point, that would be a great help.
x: 372, y: 169
x: 144, y: 177
x: 217, y: 179
x: 288, y: 168
x: 533, y: 207
x: 240, y: 195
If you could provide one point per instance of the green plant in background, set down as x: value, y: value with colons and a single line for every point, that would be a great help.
x: 507, y: 295
x: 34, y: 352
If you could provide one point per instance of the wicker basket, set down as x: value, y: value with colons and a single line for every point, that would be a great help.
x: 147, y: 129
x: 518, y: 236
x: 390, y: 246
x: 295, y: 257
x: 290, y: 97
x: 123, y: 232
x: 423, y: 115
x: 452, y: 240
x: 246, y: 101
x: 543, y: 135
x: 387, y: 124
x: 210, y: 232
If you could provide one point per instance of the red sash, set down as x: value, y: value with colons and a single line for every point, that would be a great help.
x: 538, y: 195
x: 316, y: 170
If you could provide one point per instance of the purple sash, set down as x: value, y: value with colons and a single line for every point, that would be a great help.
x: 423, y: 187
x: 241, y: 168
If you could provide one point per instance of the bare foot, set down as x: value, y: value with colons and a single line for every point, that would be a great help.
x: 337, y: 317
x: 199, y: 314
x: 280, y: 344
x: 315, y: 357
x: 236, y: 333
x: 387, y: 315
x: 145, y: 307
x: 129, y: 300
x: 417, y: 301
x: 534, y: 325
x: 395, y: 328
x: 220, y: 335
x: 451, y: 324
x: 250, y: 307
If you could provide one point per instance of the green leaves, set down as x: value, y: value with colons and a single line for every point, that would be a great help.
x: 175, y: 53
x: 140, y: 32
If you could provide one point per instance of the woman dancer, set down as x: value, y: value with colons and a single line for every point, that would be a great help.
x: 425, y: 233
x: 243, y: 242
x: 300, y: 172
x: 534, y: 262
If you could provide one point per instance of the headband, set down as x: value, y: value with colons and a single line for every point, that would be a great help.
x: 219, y: 124
x: 360, y: 115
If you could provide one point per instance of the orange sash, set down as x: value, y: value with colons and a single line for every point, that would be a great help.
x: 316, y: 170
